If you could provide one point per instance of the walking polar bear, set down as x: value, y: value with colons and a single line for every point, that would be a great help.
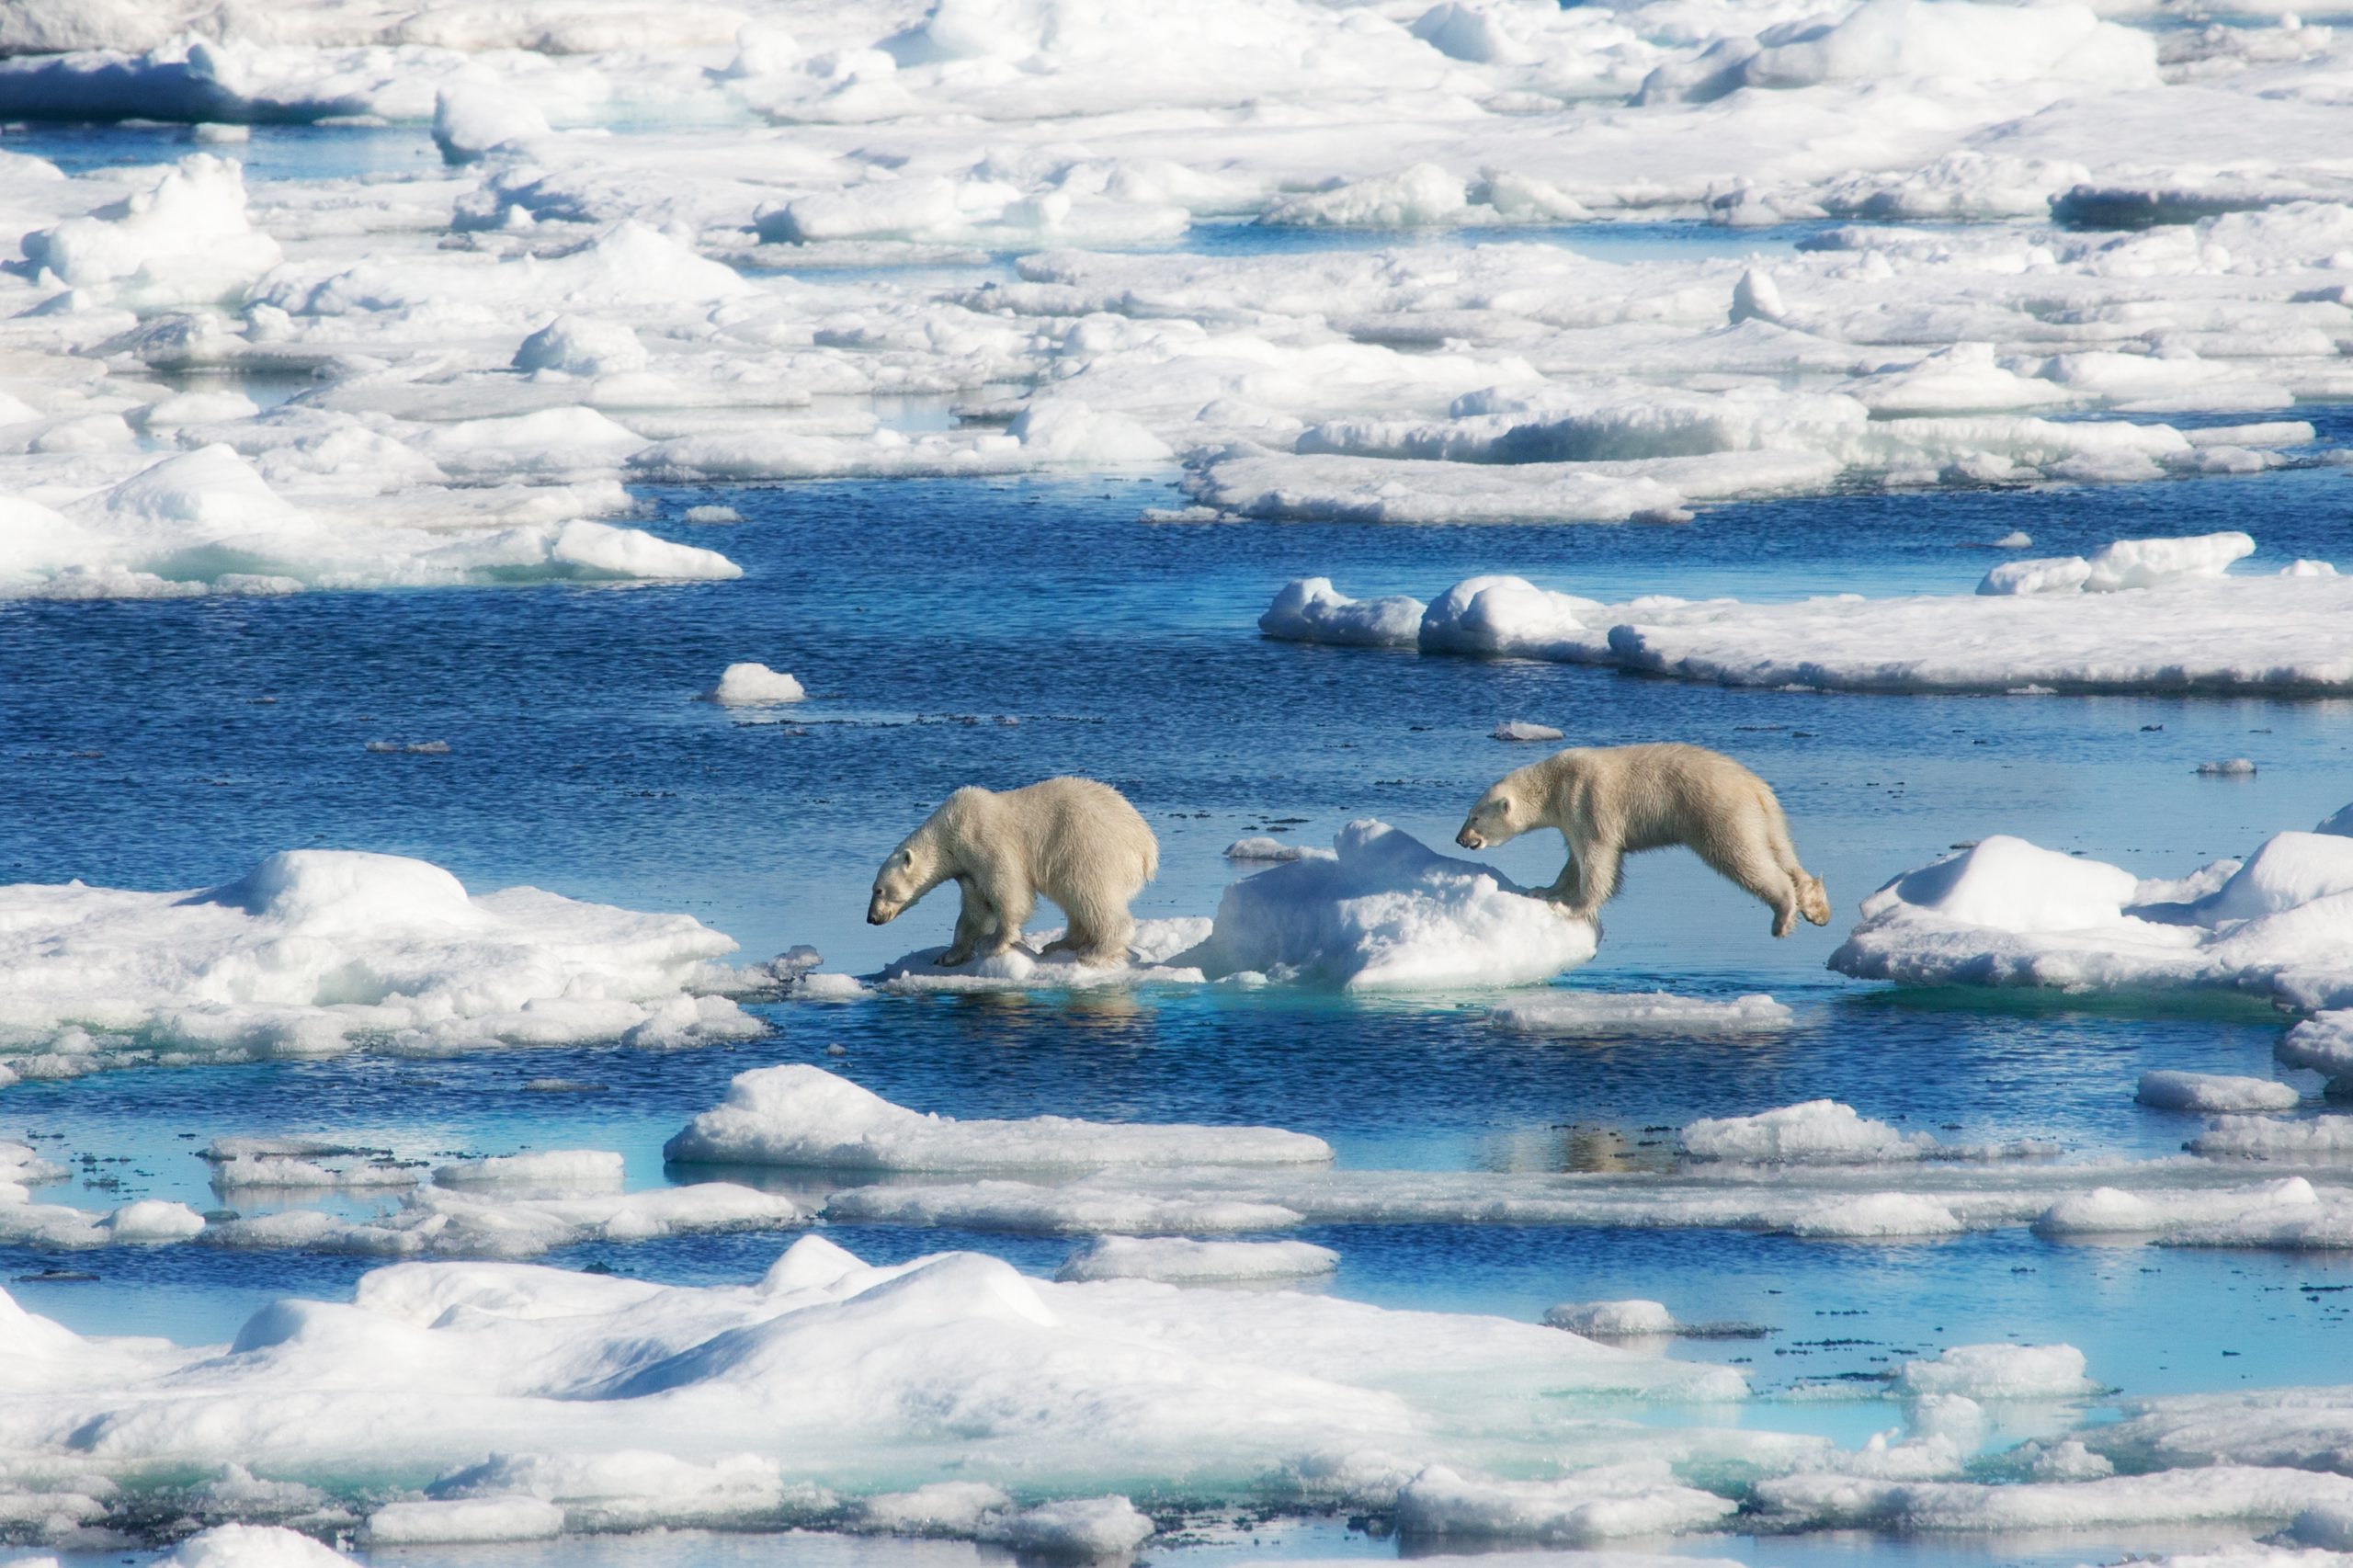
x: 1076, y: 841
x: 1610, y: 801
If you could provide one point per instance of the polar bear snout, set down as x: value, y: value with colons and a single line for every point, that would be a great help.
x: 1470, y: 839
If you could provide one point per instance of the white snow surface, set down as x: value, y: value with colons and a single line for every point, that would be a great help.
x: 2156, y: 614
x: 1385, y: 911
x: 797, y: 1114
x: 316, y: 951
x: 753, y: 684
x: 1644, y: 1014
x: 795, y: 224
x: 2008, y: 913
x: 1814, y: 1131
x: 606, y: 1402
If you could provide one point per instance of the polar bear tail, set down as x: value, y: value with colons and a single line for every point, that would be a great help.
x: 1813, y: 902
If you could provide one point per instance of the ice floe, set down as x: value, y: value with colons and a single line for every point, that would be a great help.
x: 753, y: 685
x: 1642, y: 1015
x: 1385, y: 911
x: 2007, y: 913
x: 1177, y: 1261
x: 2140, y: 615
x: 805, y: 1116
x: 610, y: 1402
x: 316, y: 951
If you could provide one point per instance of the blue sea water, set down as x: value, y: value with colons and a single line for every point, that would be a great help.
x: 996, y: 631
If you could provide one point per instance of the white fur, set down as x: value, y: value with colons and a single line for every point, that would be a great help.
x: 1071, y: 840
x: 1610, y: 801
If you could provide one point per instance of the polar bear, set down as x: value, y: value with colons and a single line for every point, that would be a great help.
x: 1610, y: 801
x: 1077, y: 842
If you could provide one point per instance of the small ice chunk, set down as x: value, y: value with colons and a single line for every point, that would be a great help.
x: 2262, y: 1138
x: 247, y: 1545
x: 1385, y: 911
x: 797, y: 1115
x: 2235, y: 767
x: 942, y: 1508
x: 754, y: 685
x: 1087, y: 1529
x: 1629, y: 1319
x: 464, y: 1519
x: 1653, y: 1014
x: 2151, y: 563
x: 2214, y: 1093
x: 2016, y: 539
x: 711, y: 514
x: 1587, y: 1508
x: 1273, y: 850
x: 1814, y: 1132
x: 152, y: 1220
x: 1520, y: 730
x: 1874, y: 1216
x: 570, y: 1170
x: 2000, y: 1371
x: 1310, y: 609
x: 1175, y: 1260
x: 2049, y: 575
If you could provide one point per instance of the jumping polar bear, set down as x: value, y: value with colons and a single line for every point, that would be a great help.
x: 1077, y: 842
x: 1610, y: 801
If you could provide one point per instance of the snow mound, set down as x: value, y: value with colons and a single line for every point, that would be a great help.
x: 754, y: 685
x: 1387, y: 912
x: 1816, y: 1131
x: 2006, y: 912
x: 1649, y: 1015
x: 806, y: 1115
x: 1633, y: 1319
x: 2000, y: 1371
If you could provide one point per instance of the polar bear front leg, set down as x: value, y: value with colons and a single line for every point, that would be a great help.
x: 1011, y: 901
x: 1593, y: 872
x: 974, y: 923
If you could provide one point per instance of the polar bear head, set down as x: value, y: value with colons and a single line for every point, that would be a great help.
x: 1504, y: 813
x: 909, y: 872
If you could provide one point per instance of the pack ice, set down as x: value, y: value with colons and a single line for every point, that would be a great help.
x: 315, y: 950
x: 2149, y: 614
x: 455, y: 1399
x: 799, y: 217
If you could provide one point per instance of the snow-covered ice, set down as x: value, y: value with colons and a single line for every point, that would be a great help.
x: 2007, y: 913
x: 1385, y: 911
x: 620, y: 1402
x: 1649, y: 1015
x: 1177, y: 1261
x: 2155, y: 614
x: 805, y: 1116
x: 315, y: 951
x: 2213, y: 1093
x: 751, y: 685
